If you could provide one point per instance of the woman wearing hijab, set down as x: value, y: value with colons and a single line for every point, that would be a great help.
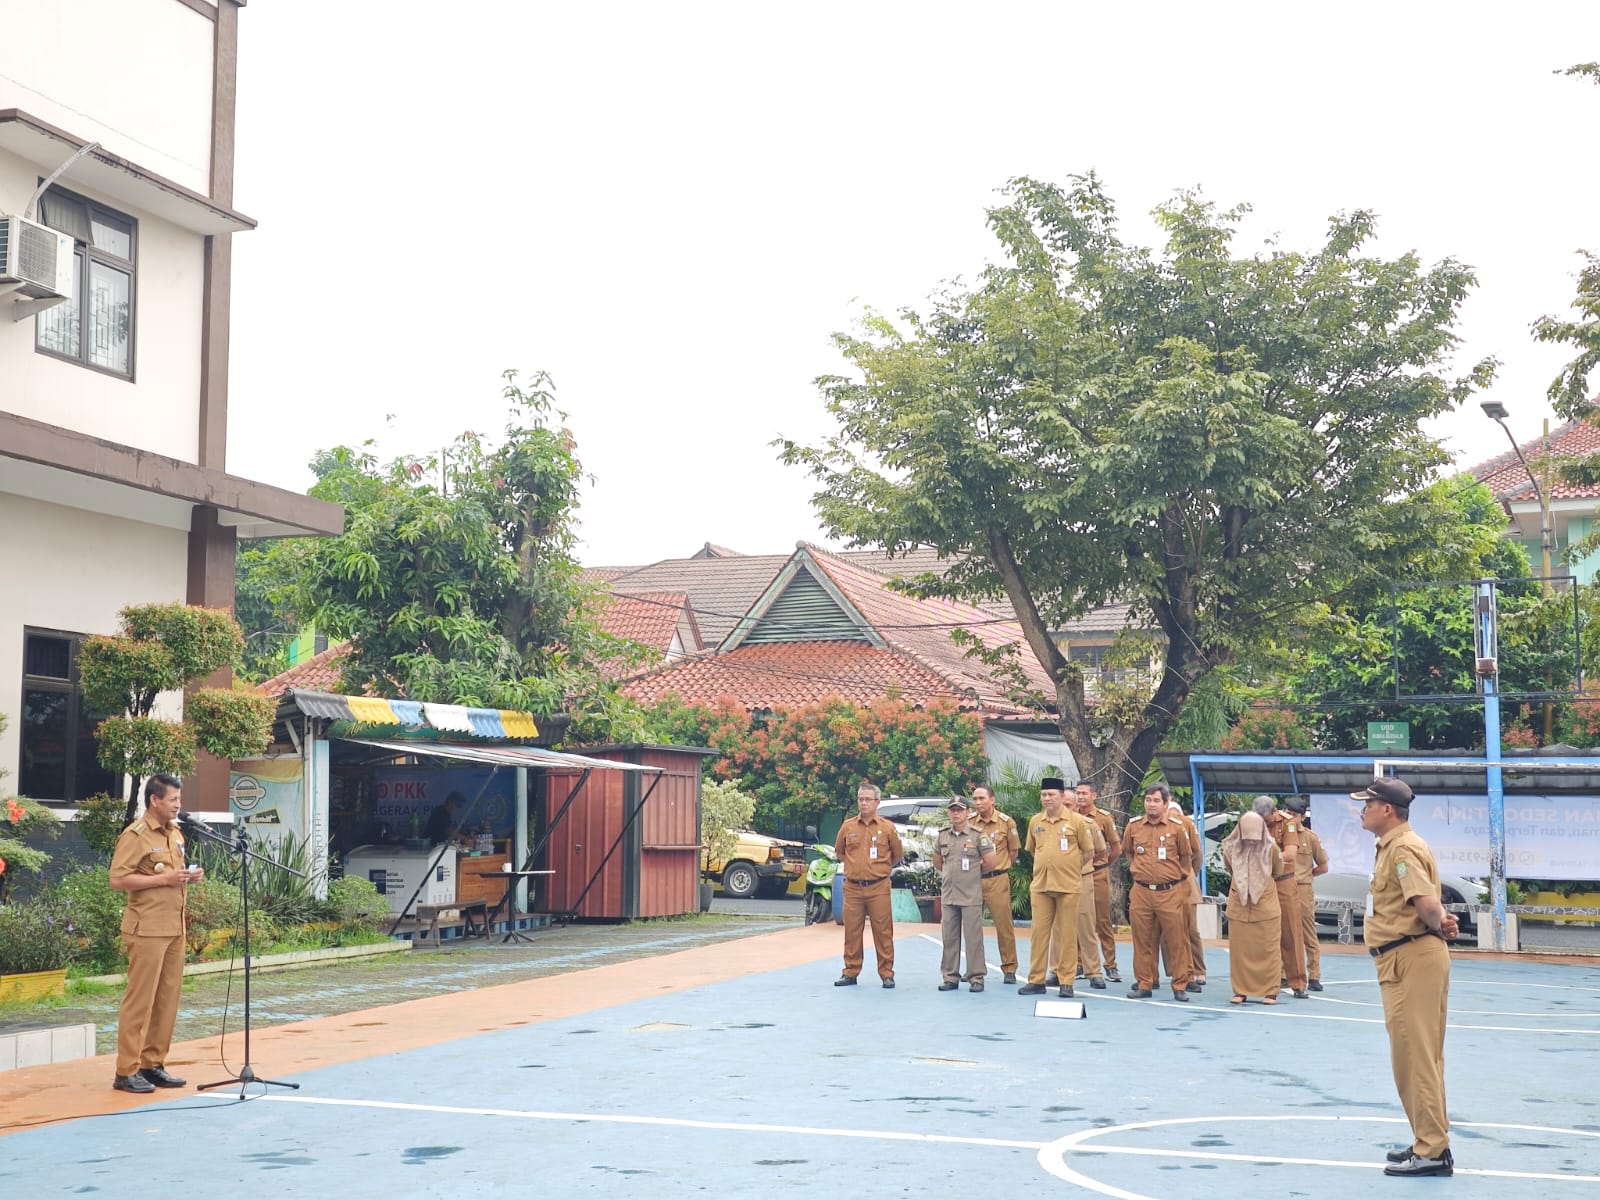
x: 1255, y: 962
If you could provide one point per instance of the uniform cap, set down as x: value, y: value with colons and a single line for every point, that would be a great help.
x: 1386, y: 791
x: 960, y: 802
x: 1052, y: 783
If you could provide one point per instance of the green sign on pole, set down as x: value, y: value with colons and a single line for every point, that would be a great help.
x: 1388, y: 735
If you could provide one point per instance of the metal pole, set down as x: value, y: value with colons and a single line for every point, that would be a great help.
x: 1488, y: 665
x: 1546, y: 537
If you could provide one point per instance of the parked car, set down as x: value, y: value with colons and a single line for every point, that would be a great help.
x: 917, y: 836
x: 1333, y: 888
x: 757, y: 863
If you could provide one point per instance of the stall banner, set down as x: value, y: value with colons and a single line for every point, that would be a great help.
x: 266, y: 794
x: 403, y: 797
x: 1547, y: 837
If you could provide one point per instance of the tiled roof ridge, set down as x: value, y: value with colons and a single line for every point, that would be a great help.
x: 323, y: 660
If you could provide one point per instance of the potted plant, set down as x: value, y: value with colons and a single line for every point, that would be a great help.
x: 37, y: 940
x: 924, y: 883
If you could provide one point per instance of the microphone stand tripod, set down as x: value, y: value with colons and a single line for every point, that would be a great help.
x: 240, y: 845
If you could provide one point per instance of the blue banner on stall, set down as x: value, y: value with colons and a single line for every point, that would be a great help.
x: 404, y: 797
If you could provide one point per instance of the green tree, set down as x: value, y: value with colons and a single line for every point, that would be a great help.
x: 455, y: 579
x: 164, y: 648
x: 1222, y: 440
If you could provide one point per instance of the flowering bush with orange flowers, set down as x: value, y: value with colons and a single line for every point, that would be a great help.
x: 805, y: 761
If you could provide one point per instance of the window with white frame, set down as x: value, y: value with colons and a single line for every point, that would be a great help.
x: 95, y: 326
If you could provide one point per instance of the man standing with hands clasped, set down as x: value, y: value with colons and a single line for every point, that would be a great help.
x: 1406, y: 931
x: 1059, y: 840
x: 868, y: 849
x: 148, y: 863
x: 962, y: 854
x: 1002, y: 831
x: 1159, y: 858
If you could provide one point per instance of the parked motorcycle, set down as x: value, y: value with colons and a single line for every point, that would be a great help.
x: 819, y: 884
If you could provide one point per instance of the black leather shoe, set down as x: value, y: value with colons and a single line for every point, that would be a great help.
x: 132, y: 1083
x: 975, y: 986
x: 1031, y: 989
x: 1112, y: 976
x: 1181, y: 997
x: 1415, y: 1164
x: 845, y: 981
x: 1300, y: 994
x: 1282, y: 983
x: 888, y: 981
x: 1066, y: 991
x: 1315, y: 985
x: 949, y: 985
x: 1196, y: 987
x: 159, y: 1077
x: 1052, y: 980
x: 1138, y: 993
x: 1399, y: 1155
x: 1098, y: 983
x: 1010, y: 977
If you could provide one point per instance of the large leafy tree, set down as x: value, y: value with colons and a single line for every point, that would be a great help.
x: 1222, y: 439
x: 455, y: 579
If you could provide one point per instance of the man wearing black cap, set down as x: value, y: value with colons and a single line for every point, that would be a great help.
x: 1060, y: 840
x: 962, y: 854
x: 1406, y: 931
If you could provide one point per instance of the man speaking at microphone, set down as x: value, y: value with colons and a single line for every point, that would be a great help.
x: 149, y: 864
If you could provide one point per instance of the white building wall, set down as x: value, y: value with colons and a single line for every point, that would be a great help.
x: 73, y: 570
x: 159, y: 410
x: 133, y: 75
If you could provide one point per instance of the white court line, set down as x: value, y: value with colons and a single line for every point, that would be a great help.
x: 1053, y: 1158
x: 671, y: 1122
x: 1055, y: 1165
x: 1466, y: 1012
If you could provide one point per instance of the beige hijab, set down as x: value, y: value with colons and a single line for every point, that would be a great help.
x: 1248, y: 853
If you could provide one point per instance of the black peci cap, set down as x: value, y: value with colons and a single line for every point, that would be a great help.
x: 1386, y: 791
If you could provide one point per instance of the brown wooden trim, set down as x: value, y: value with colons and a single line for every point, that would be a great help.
x: 73, y: 142
x: 49, y: 445
x: 200, y: 6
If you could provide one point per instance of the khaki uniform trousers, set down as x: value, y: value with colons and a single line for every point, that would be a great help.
x: 1102, y: 918
x: 1308, y: 930
x: 1156, y: 918
x: 1291, y: 942
x: 862, y: 904
x: 1055, y: 928
x: 997, y: 899
x: 1191, y: 925
x: 1414, y: 981
x: 960, y: 923
x: 1088, y: 943
x: 150, y: 1003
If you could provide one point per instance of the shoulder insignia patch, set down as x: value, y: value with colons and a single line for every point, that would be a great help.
x: 1400, y: 869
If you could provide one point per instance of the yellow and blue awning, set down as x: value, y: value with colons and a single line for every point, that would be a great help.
x: 499, y: 724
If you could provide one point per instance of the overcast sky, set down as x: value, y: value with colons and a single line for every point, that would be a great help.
x: 670, y: 207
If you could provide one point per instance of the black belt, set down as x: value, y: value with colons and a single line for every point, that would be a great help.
x: 992, y: 874
x: 1410, y: 937
x: 865, y: 882
x: 1281, y: 878
x: 1103, y: 866
x: 1159, y: 887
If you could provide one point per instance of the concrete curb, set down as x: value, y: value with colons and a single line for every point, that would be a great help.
x: 292, y: 961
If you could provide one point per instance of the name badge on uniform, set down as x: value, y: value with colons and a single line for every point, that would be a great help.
x: 1369, y: 904
x: 872, y: 850
x: 1161, y: 853
x: 1066, y: 844
x: 966, y: 863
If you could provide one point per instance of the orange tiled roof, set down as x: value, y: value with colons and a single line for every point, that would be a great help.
x: 784, y: 674
x: 320, y: 673
x: 1506, y: 478
x: 650, y: 618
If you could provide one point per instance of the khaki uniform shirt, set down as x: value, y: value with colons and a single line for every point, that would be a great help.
x: 144, y: 850
x: 1108, y: 830
x: 1405, y: 869
x: 961, y: 877
x: 1157, y: 852
x: 1311, y: 856
x: 1002, y: 831
x: 1194, y: 840
x: 867, y: 849
x: 1059, y: 849
x: 1099, y: 854
x: 1284, y: 829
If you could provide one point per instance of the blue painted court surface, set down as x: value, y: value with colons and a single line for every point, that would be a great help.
x: 780, y: 1080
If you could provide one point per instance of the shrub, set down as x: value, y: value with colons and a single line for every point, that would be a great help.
x: 19, y: 818
x: 723, y: 808
x: 354, y: 901
x: 100, y: 819
x: 97, y: 914
x: 37, y: 936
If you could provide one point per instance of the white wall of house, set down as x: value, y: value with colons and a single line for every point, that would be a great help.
x: 158, y: 410
x: 112, y: 562
x: 133, y: 75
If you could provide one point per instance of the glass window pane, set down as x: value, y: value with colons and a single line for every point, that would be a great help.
x: 112, y: 236
x: 110, y: 316
x: 65, y: 214
x: 91, y: 776
x: 48, y: 656
x: 57, y: 329
x: 43, y: 774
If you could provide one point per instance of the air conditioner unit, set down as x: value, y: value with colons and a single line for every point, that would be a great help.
x: 35, y: 260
